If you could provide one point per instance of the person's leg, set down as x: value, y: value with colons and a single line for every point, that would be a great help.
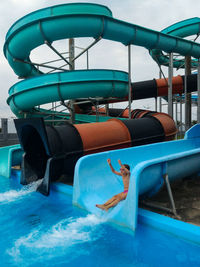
x: 100, y: 206
x: 118, y: 198
x: 103, y: 206
x: 112, y: 202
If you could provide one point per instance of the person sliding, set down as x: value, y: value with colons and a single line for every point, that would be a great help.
x: 125, y: 173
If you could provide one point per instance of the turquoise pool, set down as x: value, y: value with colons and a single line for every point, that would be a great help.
x: 48, y: 231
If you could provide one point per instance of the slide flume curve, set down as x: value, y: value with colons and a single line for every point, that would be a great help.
x: 70, y: 21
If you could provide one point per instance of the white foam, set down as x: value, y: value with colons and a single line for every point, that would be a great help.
x: 66, y: 233
x: 12, y: 195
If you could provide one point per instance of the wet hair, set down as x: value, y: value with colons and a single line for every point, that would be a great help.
x: 127, y: 166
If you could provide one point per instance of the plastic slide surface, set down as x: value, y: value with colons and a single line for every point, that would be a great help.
x: 70, y: 21
x: 25, y: 95
x: 94, y: 183
x: 10, y: 156
x: 181, y: 29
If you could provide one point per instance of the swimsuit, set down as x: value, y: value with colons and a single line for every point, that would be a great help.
x: 125, y: 191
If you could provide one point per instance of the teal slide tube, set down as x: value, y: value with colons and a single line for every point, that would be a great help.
x: 25, y: 95
x: 10, y: 156
x: 70, y: 21
x: 60, y: 22
x: 185, y: 28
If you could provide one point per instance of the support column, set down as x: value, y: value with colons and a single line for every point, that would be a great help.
x: 198, y: 87
x: 176, y: 111
x: 107, y: 109
x: 170, y: 75
x: 71, y: 54
x: 72, y: 67
x: 4, y: 128
x: 160, y: 98
x: 129, y: 82
x: 171, y: 198
x: 156, y: 104
x: 87, y: 54
x: 181, y: 113
x: 187, y: 95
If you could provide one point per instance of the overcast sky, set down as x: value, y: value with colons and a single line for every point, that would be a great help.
x: 154, y: 14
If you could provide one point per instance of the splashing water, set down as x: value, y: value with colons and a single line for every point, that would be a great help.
x: 12, y: 195
x: 65, y: 234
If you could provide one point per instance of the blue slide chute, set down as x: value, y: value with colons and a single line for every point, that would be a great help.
x: 95, y: 183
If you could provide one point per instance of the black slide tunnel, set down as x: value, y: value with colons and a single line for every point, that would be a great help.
x: 49, y: 152
x: 145, y: 130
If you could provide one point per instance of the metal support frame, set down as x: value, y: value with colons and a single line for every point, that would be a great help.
x: 176, y: 112
x: 93, y: 100
x: 87, y: 59
x: 171, y: 199
x: 38, y: 64
x: 55, y: 106
x: 187, y: 95
x: 198, y: 86
x: 129, y: 82
x: 56, y: 51
x: 156, y: 104
x: 161, y: 73
x: 51, y: 115
x: 107, y: 109
x: 71, y: 64
x: 181, y: 114
x: 56, y: 60
x: 61, y: 120
x: 87, y: 48
x: 71, y: 61
x: 169, y: 190
x: 50, y: 45
x: 170, y: 96
x: 72, y: 113
x: 160, y: 104
x: 160, y: 98
x: 74, y: 58
x: 97, y: 111
x: 71, y: 67
x: 71, y: 54
x: 64, y: 65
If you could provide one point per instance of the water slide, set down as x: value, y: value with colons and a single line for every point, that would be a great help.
x: 70, y: 21
x: 148, y: 89
x: 94, y: 183
x: 183, y: 29
x: 51, y: 147
x: 54, y: 150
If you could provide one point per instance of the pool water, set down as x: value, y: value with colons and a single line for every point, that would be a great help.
x: 49, y: 231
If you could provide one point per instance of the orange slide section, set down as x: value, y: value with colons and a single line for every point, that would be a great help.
x: 167, y: 124
x: 166, y: 121
x: 177, y: 86
x: 109, y: 135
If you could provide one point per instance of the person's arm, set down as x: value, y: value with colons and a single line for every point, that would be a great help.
x: 122, y: 166
x: 112, y: 169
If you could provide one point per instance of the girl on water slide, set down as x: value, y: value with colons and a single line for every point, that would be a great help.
x: 125, y: 174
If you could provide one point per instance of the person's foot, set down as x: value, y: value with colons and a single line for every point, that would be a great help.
x: 100, y: 206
